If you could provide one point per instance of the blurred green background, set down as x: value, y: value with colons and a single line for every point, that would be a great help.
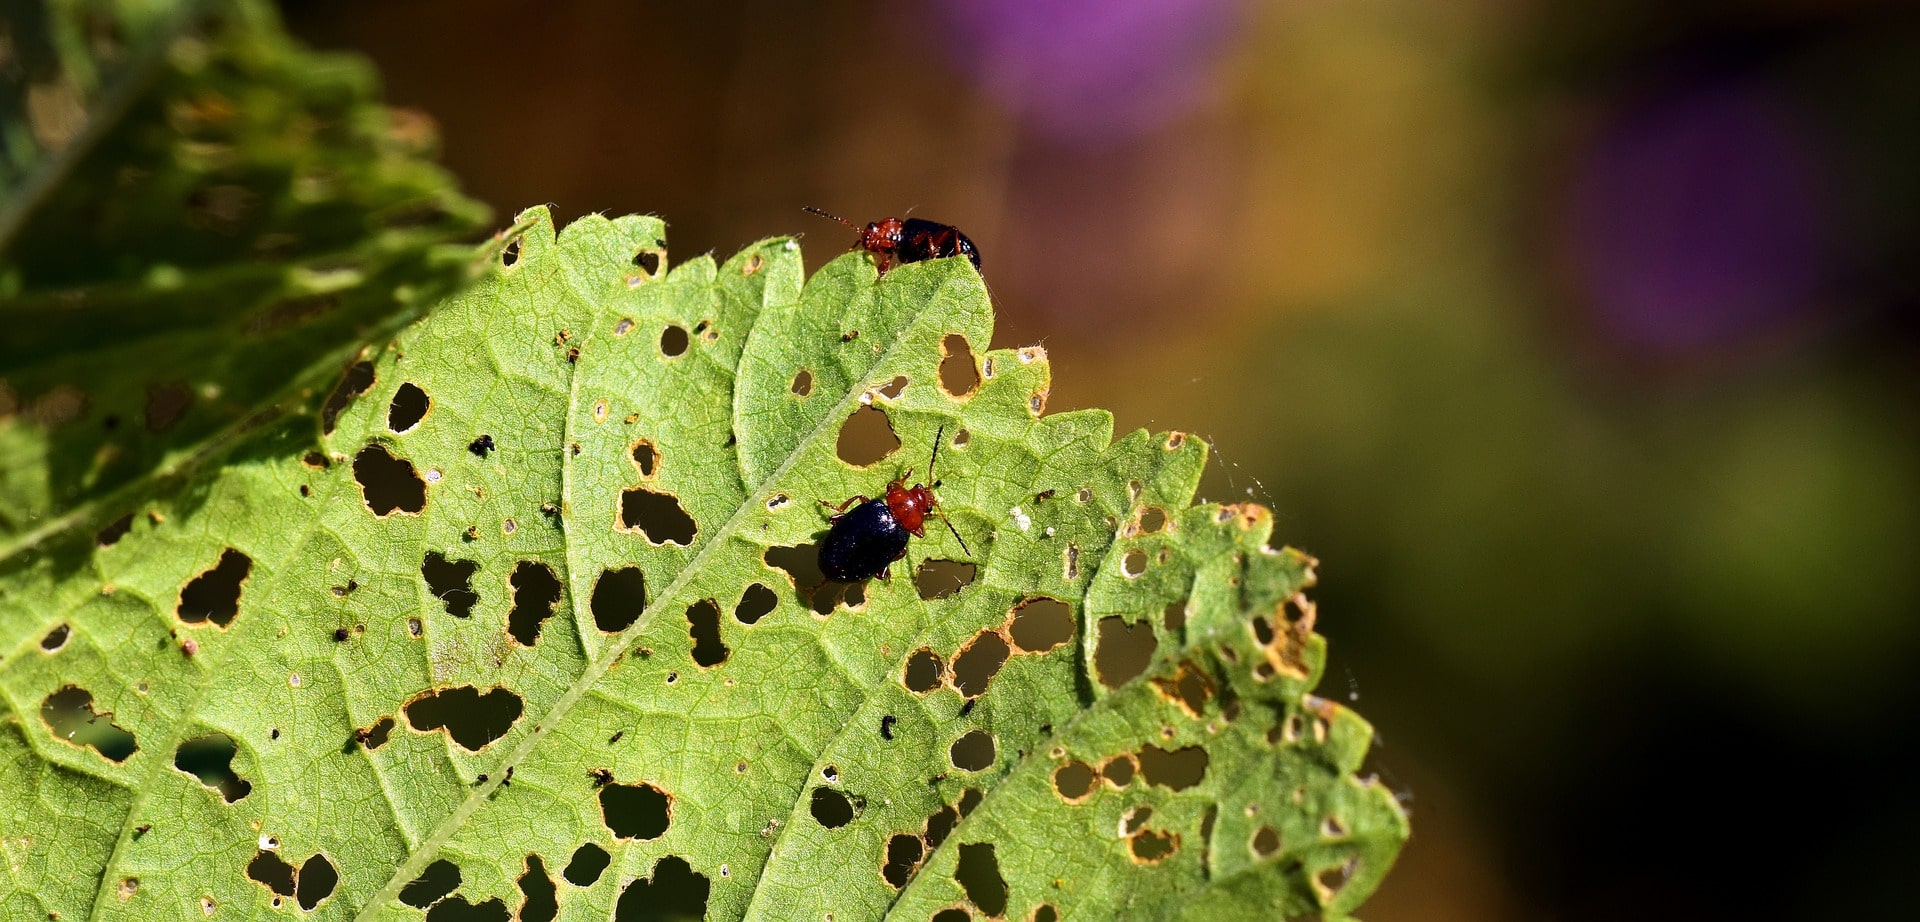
x: 1576, y: 337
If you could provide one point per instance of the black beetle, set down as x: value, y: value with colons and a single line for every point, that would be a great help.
x: 908, y: 240
x: 864, y: 543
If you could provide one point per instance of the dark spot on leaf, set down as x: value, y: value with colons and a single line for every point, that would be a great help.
x: 388, y: 483
x: 673, y: 892
x: 1178, y: 770
x: 481, y: 445
x: 938, y: 579
x: 903, y: 855
x: 1122, y: 652
x: 210, y: 759
x: 923, y: 671
x: 703, y: 624
x: 958, y: 374
x: 535, y: 591
x: 115, y: 530
x: 635, y: 811
x: 658, y: 516
x: 645, y: 456
x: 1040, y: 624
x: 973, y: 751
x: 215, y: 595
x: 673, y: 340
x: 409, y: 406
x: 270, y: 869
x: 755, y: 604
x: 69, y: 714
x: 618, y: 598
x: 886, y: 726
x: 978, y: 873
x: 831, y: 808
x: 538, y: 904
x: 866, y: 437
x: 166, y: 403
x: 977, y: 664
x: 55, y: 638
x: 354, y: 382
x: 457, y: 909
x: 1073, y: 780
x: 318, y: 877
x: 451, y: 581
x: 471, y: 718
x: 588, y: 861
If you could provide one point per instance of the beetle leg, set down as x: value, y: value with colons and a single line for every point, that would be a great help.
x: 841, y: 509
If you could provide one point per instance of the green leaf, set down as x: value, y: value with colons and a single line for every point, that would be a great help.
x: 526, y: 673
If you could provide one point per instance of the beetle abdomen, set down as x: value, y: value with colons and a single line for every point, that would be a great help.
x: 861, y: 543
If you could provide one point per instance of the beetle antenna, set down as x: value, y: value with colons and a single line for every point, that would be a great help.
x: 937, y: 436
x: 956, y: 533
x: 824, y: 214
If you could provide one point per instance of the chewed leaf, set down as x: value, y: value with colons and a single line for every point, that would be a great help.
x: 566, y: 623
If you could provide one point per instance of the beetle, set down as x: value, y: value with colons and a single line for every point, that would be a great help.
x: 908, y: 240
x: 864, y: 543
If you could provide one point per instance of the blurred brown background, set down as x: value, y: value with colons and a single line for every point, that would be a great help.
x: 1577, y: 337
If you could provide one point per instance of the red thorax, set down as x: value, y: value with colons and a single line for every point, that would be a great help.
x: 882, y: 236
x: 910, y: 506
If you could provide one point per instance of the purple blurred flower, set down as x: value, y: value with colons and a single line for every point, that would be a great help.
x: 1701, y: 219
x: 1091, y: 69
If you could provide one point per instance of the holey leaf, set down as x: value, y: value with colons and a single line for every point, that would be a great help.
x: 537, y: 629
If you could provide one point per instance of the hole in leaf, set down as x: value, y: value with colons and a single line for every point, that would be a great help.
x: 673, y: 340
x: 536, y: 886
x: 1152, y: 519
x: 69, y: 714
x: 703, y: 624
x: 270, y: 869
x: 635, y: 811
x: 866, y: 437
x: 215, y: 594
x: 1119, y: 770
x: 801, y: 563
x: 375, y: 736
x: 951, y: 915
x: 958, y: 374
x: 318, y: 877
x: 472, y: 719
x: 1073, y: 780
x: 618, y: 599
x: 1135, y: 819
x: 673, y: 892
x: 803, y: 383
x: 973, y: 751
x: 1149, y: 847
x: 481, y: 446
x: 1046, y: 913
x: 409, y: 406
x: 457, y: 909
x: 923, y: 671
x: 1262, y: 631
x: 535, y: 591
x: 1265, y: 842
x: 588, y: 861
x: 55, y: 638
x: 938, y: 579
x: 510, y: 254
x: 831, y: 808
x: 658, y: 516
x: 388, y: 483
x: 1070, y: 563
x: 976, y: 665
x: 210, y: 759
x: 1040, y: 624
x: 1189, y: 687
x: 1175, y: 615
x: 354, y: 382
x: 451, y: 581
x: 940, y: 824
x: 1122, y: 652
x: 646, y: 456
x: 978, y: 873
x: 1177, y: 770
x: 892, y: 389
x: 1330, y: 880
x: 115, y: 530
x: 1133, y: 564
x: 903, y: 855
x: 756, y: 603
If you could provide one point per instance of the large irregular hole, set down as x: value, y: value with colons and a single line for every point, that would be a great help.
x: 658, y: 516
x: 938, y: 579
x: 451, y: 581
x: 389, y: 484
x: 973, y: 751
x: 1073, y: 780
x: 270, y: 869
x: 409, y: 406
x: 69, y: 714
x: 975, y: 666
x: 958, y: 373
x: 215, y: 594
x: 1189, y: 687
x: 1149, y: 847
x: 1122, y: 652
x: 471, y: 718
x: 673, y: 892
x: 940, y: 824
x: 210, y: 759
x: 755, y: 604
x: 535, y: 591
x: 55, y: 638
x: 618, y: 599
x: 645, y: 457
x: 831, y: 808
x: 923, y: 671
x: 375, y: 736
x: 457, y: 909
x: 587, y: 863
x: 978, y: 873
x: 673, y: 340
x: 537, y: 903
x: 1180, y: 769
x: 1040, y: 624
x: 801, y: 563
x: 866, y: 437
x: 635, y: 811
x: 703, y: 624
x: 893, y: 389
x: 903, y: 855
x: 439, y: 879
x: 318, y: 877
x: 354, y: 382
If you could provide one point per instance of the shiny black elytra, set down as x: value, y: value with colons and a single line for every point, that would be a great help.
x: 908, y: 240
x: 864, y: 543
